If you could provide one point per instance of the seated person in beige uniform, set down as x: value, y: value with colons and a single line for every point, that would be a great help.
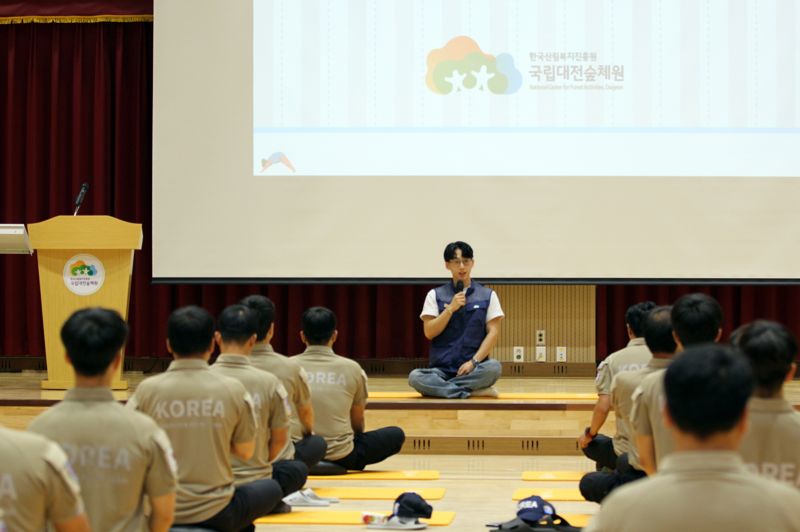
x: 236, y: 335
x: 696, y: 319
x: 207, y: 417
x: 599, y: 448
x: 703, y: 484
x: 121, y: 457
x: 657, y: 330
x: 339, y: 393
x: 37, y: 485
x: 303, y: 444
x: 771, y: 445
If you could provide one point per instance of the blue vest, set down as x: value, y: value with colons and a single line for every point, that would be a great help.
x: 465, y: 331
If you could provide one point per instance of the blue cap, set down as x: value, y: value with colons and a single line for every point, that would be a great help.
x: 534, y: 509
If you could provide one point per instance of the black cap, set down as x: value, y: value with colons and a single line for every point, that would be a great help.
x: 409, y: 504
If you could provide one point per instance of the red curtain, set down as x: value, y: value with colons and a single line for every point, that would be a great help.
x: 76, y: 105
x: 740, y: 304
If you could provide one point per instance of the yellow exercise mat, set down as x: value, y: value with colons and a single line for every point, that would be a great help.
x: 340, y: 517
x: 549, y: 494
x: 577, y: 520
x: 539, y: 396
x: 553, y: 475
x: 423, y: 474
x: 388, y: 494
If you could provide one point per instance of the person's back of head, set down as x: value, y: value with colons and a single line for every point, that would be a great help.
x: 772, y: 350
x: 635, y: 315
x: 657, y: 330
x: 190, y: 332
x: 319, y: 325
x: 696, y: 319
x: 93, y: 338
x: 707, y: 388
x: 237, y: 324
x: 264, y: 310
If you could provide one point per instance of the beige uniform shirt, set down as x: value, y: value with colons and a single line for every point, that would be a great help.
x: 622, y: 389
x: 337, y: 384
x: 271, y: 405
x: 119, y: 456
x: 294, y: 379
x: 771, y: 446
x: 202, y: 412
x: 646, y: 414
x: 37, y: 483
x: 701, y: 490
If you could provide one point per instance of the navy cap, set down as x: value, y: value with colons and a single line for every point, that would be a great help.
x: 409, y: 504
x: 534, y: 509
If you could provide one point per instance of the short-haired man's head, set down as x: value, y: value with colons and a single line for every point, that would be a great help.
x: 696, y: 319
x: 236, y: 324
x: 93, y: 337
x: 771, y: 349
x: 190, y: 331
x: 657, y: 330
x: 264, y: 309
x: 450, y: 250
x: 319, y: 323
x: 635, y: 315
x: 707, y: 388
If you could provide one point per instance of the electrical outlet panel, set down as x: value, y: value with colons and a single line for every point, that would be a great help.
x: 541, y: 353
x: 519, y: 353
x: 540, y: 337
x: 561, y: 353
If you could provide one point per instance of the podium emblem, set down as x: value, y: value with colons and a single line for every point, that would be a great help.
x: 84, y: 274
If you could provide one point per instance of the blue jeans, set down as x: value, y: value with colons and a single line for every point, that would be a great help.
x: 434, y: 382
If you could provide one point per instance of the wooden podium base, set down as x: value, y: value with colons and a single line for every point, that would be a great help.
x: 67, y: 384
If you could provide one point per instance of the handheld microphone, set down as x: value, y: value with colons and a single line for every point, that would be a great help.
x: 459, y: 286
x: 79, y: 198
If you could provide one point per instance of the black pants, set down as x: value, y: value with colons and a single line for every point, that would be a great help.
x: 250, y: 501
x: 310, y: 450
x: 596, y: 486
x: 373, y: 447
x: 601, y: 451
x: 290, y: 474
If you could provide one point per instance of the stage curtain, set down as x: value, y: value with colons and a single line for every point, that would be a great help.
x: 740, y: 304
x: 69, y: 11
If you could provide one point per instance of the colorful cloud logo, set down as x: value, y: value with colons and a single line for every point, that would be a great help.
x: 462, y: 66
x: 80, y: 268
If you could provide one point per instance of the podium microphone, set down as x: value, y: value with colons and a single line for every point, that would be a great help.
x: 79, y: 199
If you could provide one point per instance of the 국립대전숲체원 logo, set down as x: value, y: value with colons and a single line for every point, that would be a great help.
x: 461, y: 66
x: 84, y: 274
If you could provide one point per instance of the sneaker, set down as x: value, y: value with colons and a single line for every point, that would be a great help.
x: 281, y: 508
x: 309, y: 494
x: 491, y: 391
x: 299, y: 498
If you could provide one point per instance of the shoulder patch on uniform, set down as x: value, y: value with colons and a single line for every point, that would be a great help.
x: 57, y: 458
x: 163, y: 443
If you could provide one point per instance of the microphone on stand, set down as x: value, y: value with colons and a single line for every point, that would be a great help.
x: 79, y: 199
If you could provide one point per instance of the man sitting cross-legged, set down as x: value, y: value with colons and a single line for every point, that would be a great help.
x: 236, y: 335
x: 703, y: 484
x: 339, y: 393
x: 121, y: 457
x: 208, y: 417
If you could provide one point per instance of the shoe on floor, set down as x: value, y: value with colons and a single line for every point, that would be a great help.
x: 491, y: 391
x: 281, y: 508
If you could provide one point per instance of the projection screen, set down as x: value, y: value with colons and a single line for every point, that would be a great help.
x: 566, y: 140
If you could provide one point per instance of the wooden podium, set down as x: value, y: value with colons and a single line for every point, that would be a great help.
x: 84, y: 261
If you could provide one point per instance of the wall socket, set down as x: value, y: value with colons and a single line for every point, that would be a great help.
x: 561, y: 353
x: 540, y: 337
x: 541, y: 353
x: 519, y: 353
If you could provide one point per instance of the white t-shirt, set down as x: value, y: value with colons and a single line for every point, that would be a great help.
x: 431, y: 308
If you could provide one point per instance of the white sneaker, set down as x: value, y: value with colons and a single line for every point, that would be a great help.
x: 491, y: 391
x: 298, y: 498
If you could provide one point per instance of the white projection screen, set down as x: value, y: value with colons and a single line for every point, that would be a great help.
x: 566, y: 140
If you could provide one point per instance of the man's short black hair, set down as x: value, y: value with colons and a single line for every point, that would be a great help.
x: 707, y: 388
x: 450, y: 250
x: 237, y: 324
x: 696, y: 319
x: 264, y: 309
x: 93, y: 337
x: 190, y: 331
x: 635, y: 315
x: 657, y: 327
x: 771, y: 349
x: 318, y: 325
